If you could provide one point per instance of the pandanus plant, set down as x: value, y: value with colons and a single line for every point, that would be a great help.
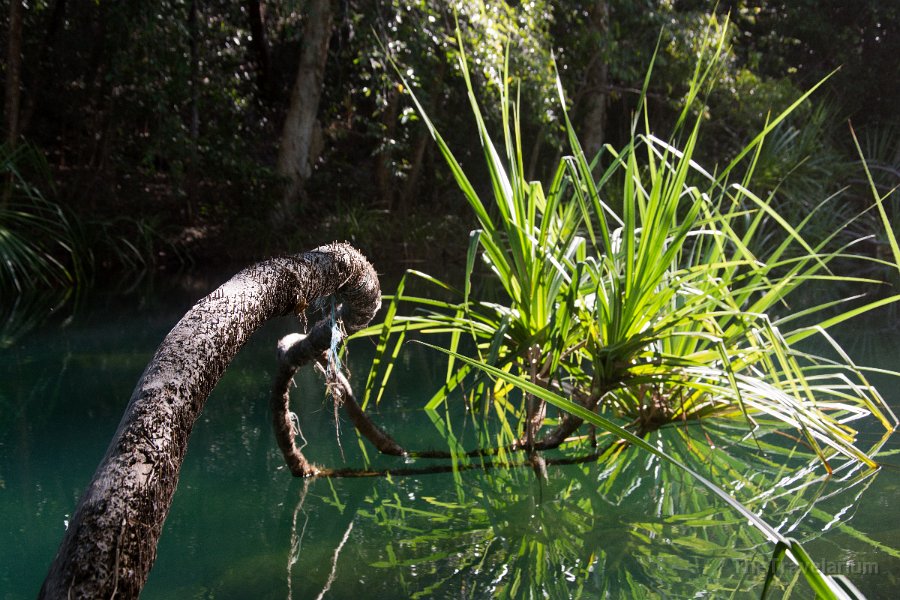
x: 637, y: 291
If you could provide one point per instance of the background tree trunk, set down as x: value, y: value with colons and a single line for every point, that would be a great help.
x: 423, y: 143
x: 384, y: 179
x: 110, y: 544
x: 297, y: 154
x: 13, y: 72
x: 593, y: 126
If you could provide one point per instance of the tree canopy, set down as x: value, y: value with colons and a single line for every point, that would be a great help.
x: 165, y: 127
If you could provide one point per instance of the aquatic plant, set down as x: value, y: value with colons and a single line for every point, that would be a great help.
x: 639, y: 290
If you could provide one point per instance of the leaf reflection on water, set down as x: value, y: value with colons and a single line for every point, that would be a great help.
x: 623, y: 526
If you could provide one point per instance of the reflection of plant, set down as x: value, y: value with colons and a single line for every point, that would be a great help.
x: 27, y: 311
x: 35, y: 235
x: 662, y: 311
x: 629, y: 528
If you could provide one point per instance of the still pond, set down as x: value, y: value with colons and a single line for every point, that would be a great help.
x: 242, y: 527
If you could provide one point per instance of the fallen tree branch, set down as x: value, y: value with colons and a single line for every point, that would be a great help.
x: 110, y: 544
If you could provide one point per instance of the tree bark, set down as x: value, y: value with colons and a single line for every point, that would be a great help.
x: 298, y: 137
x: 13, y: 72
x: 110, y: 544
x: 593, y: 126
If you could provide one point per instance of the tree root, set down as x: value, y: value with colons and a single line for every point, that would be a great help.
x: 294, y: 351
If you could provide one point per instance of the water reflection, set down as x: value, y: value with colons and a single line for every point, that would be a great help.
x: 628, y: 527
x: 22, y: 313
x: 241, y: 527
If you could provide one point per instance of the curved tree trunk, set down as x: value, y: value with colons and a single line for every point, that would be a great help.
x: 110, y: 544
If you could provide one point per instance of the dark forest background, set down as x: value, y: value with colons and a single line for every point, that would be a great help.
x: 205, y: 131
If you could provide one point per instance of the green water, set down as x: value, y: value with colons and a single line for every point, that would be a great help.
x: 242, y: 527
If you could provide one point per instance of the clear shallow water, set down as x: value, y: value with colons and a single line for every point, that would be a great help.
x: 242, y: 527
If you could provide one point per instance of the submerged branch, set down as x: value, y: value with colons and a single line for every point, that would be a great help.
x: 294, y: 351
x: 384, y: 442
x: 483, y: 465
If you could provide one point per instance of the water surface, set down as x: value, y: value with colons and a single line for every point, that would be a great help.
x: 242, y: 527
